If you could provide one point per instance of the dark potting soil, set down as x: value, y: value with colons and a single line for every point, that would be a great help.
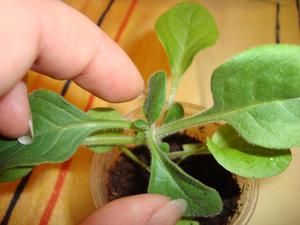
x: 127, y: 178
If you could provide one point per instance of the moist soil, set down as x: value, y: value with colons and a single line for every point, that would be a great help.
x: 127, y: 178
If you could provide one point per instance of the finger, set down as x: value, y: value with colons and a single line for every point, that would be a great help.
x: 146, y: 209
x: 14, y: 111
x: 62, y: 43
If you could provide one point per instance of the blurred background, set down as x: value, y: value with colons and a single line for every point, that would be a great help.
x: 60, y: 194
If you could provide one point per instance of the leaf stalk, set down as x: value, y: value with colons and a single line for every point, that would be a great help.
x: 186, y: 153
x: 134, y: 158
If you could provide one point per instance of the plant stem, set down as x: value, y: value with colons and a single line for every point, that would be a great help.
x: 174, y: 86
x: 110, y: 139
x: 134, y: 158
x: 186, y: 153
x: 192, y: 121
x: 104, y: 125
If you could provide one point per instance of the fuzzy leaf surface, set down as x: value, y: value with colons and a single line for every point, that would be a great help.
x: 59, y: 129
x: 156, y: 96
x: 244, y: 159
x: 169, y: 179
x: 184, y: 30
x: 257, y: 92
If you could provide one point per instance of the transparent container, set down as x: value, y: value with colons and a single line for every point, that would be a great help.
x: 101, y: 164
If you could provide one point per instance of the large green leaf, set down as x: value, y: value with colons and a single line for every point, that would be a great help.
x: 168, y: 179
x: 258, y: 93
x: 184, y: 30
x: 13, y: 174
x: 244, y: 159
x: 59, y: 129
x: 156, y: 96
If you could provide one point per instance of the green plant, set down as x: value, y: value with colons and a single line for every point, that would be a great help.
x: 256, y: 94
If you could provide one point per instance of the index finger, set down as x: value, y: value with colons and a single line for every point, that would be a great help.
x: 52, y: 38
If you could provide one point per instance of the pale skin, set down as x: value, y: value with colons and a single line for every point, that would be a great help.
x: 52, y: 38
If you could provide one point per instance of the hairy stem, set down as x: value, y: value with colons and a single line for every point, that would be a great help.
x: 104, y: 125
x: 174, y: 86
x: 192, y: 121
x: 110, y: 139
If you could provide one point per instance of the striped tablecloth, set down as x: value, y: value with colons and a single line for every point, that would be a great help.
x: 59, y: 193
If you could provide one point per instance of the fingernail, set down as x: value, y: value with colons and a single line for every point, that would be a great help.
x: 27, y: 138
x: 169, y: 213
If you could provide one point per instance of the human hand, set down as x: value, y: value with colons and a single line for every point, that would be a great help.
x: 146, y: 209
x: 52, y: 38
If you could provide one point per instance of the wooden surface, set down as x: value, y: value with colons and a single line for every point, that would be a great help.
x: 59, y: 194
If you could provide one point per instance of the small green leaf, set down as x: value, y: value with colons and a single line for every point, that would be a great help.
x: 104, y: 113
x: 244, y: 159
x: 141, y: 124
x: 187, y: 222
x: 168, y: 179
x: 184, y: 30
x: 164, y: 146
x: 59, y: 129
x: 174, y: 112
x: 13, y: 174
x: 156, y: 96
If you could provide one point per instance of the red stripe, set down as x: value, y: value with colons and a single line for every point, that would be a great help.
x: 56, y: 191
x: 89, y: 103
x: 125, y: 20
x: 66, y: 165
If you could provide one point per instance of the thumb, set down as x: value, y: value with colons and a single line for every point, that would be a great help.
x: 145, y: 209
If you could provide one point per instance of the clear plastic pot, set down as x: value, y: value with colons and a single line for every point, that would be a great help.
x: 101, y: 163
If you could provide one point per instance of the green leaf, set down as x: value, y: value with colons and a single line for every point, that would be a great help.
x: 187, y: 222
x: 59, y: 129
x: 104, y: 113
x: 184, y: 30
x: 168, y: 179
x: 156, y: 96
x: 165, y: 147
x: 13, y: 174
x: 141, y: 124
x: 174, y: 112
x: 258, y: 93
x: 244, y: 159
